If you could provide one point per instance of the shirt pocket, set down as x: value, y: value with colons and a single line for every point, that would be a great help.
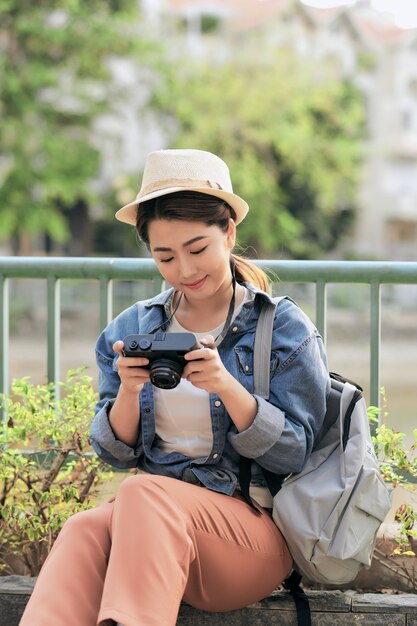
x: 245, y: 360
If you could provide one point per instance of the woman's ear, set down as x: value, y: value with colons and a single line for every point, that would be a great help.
x: 231, y: 234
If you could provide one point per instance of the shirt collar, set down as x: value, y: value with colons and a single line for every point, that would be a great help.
x: 164, y: 298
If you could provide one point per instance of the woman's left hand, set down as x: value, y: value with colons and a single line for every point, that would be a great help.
x: 205, y: 368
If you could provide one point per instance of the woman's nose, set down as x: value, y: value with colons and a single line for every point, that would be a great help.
x: 187, y: 268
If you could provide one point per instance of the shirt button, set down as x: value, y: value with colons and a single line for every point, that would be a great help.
x: 246, y: 368
x: 215, y: 455
x: 147, y: 410
x: 217, y: 403
x: 235, y: 329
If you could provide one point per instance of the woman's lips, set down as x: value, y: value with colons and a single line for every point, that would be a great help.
x: 195, y: 285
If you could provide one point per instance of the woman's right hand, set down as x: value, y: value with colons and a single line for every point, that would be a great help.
x: 132, y: 370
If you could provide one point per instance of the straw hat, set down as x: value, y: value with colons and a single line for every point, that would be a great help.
x: 169, y: 171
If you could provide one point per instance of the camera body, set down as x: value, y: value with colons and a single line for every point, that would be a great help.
x: 165, y: 352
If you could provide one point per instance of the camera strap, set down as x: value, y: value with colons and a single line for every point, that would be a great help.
x: 230, y: 312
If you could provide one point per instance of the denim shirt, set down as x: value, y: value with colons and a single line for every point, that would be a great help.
x: 282, y: 434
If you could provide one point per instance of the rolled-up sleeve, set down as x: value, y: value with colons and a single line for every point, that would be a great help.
x: 103, y: 440
x: 107, y: 446
x: 282, y: 434
x: 265, y: 429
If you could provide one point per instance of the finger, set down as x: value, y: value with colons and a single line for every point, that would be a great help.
x: 199, y: 354
x: 118, y: 347
x: 197, y: 368
x: 134, y: 374
x: 208, y: 342
x: 207, y: 339
x: 132, y: 361
x: 136, y: 379
x: 198, y: 379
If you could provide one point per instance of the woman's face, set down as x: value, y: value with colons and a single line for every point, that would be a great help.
x: 191, y: 256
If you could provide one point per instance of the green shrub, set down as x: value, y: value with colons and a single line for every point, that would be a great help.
x: 48, y: 470
x: 398, y: 466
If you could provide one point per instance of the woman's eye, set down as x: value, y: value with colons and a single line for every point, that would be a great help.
x: 199, y: 251
x: 166, y: 260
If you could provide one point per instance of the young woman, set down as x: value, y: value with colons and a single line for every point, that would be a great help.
x: 180, y: 530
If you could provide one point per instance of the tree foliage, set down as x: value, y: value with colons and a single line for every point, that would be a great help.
x: 55, y: 79
x: 291, y: 135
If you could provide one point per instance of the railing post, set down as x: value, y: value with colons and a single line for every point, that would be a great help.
x: 321, y: 309
x: 4, y: 339
x: 54, y: 318
x: 106, y: 301
x: 375, y: 344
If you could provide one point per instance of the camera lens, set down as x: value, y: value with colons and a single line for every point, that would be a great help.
x: 165, y: 373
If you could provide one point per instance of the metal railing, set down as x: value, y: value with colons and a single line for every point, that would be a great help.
x: 104, y: 270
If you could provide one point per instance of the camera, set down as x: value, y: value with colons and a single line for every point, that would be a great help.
x: 165, y: 352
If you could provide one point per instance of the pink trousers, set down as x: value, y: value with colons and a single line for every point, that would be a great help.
x: 159, y: 541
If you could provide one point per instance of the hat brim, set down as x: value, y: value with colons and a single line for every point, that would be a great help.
x: 128, y: 213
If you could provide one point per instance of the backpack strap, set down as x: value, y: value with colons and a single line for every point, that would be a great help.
x: 301, y: 601
x: 261, y: 383
x: 261, y: 371
x: 261, y: 380
x: 262, y: 347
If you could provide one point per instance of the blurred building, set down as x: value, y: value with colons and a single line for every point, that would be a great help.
x: 368, y: 48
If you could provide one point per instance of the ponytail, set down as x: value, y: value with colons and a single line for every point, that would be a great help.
x: 248, y: 272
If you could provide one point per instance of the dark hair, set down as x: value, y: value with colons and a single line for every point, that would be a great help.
x: 198, y: 207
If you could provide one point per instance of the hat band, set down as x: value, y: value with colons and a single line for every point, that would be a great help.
x: 177, y: 182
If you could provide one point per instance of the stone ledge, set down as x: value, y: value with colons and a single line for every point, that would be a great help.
x: 329, y: 608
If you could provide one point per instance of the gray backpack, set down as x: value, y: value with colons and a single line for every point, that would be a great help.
x: 330, y: 512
